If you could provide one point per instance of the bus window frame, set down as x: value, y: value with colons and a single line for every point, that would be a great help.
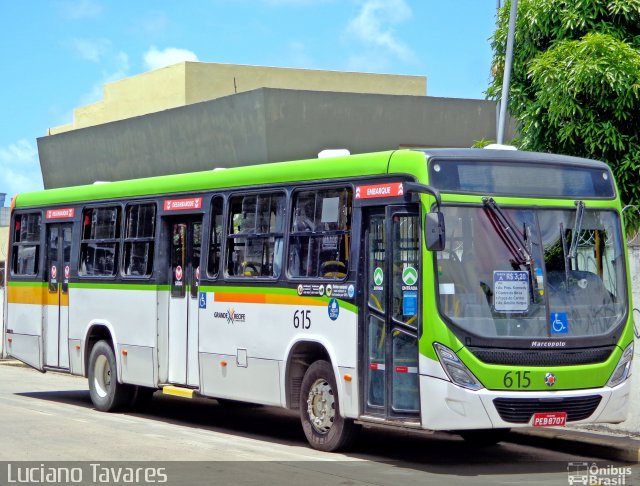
x: 208, y: 224
x: 228, y: 224
x: 123, y: 228
x: 292, y: 190
x: 118, y: 240
x: 10, y: 274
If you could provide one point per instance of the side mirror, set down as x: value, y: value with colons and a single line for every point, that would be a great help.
x: 434, y: 231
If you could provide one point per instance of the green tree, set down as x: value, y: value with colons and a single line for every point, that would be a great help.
x: 575, y: 83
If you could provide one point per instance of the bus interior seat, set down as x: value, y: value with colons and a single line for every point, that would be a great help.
x: 333, y: 269
x: 250, y: 269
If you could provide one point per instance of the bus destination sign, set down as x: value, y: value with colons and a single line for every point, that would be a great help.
x: 61, y: 213
x: 182, y: 204
x: 390, y: 189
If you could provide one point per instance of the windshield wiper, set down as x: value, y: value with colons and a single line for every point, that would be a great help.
x: 573, y: 249
x: 507, y: 233
x: 565, y: 256
x: 577, y: 228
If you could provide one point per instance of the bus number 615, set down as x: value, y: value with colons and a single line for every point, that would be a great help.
x: 302, y: 319
x: 519, y: 379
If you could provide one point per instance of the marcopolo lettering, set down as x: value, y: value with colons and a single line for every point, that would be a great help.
x: 548, y: 344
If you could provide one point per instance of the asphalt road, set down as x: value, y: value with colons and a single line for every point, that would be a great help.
x: 49, y: 417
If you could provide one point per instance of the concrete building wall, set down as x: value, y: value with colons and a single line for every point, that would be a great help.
x: 264, y: 125
x: 300, y: 124
x: 195, y: 137
x: 207, y: 81
x: 192, y: 82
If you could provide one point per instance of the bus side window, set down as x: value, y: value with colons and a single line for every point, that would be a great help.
x: 26, y: 244
x: 100, y: 242
x: 255, y: 235
x: 320, y: 230
x: 215, y: 243
x: 139, y: 240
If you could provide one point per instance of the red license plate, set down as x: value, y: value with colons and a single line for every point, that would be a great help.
x: 549, y: 419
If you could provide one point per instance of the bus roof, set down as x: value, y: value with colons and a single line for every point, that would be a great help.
x: 252, y: 175
x: 359, y: 165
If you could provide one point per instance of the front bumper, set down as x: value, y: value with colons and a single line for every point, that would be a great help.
x: 446, y: 406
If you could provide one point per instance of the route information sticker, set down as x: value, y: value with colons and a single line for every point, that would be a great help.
x: 510, y: 291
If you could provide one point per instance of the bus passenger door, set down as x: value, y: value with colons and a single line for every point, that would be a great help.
x: 185, y: 245
x: 392, y: 316
x: 57, y: 271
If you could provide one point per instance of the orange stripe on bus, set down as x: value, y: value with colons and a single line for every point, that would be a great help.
x: 293, y: 300
x: 238, y: 297
x: 35, y: 295
x: 266, y: 299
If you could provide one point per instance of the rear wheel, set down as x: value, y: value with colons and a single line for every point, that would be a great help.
x: 323, y: 426
x: 106, y: 393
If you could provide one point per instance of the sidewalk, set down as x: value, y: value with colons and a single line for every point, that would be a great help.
x: 601, y: 445
x: 8, y: 361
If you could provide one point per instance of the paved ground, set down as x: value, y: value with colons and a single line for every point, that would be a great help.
x: 50, y: 418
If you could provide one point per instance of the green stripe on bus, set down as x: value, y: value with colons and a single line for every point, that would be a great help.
x: 278, y: 291
x: 360, y: 165
x: 13, y: 283
x: 118, y: 286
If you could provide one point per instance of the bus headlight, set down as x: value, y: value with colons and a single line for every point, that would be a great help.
x: 623, y: 370
x: 455, y: 369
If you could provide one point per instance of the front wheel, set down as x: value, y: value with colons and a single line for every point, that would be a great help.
x: 106, y: 393
x: 323, y: 426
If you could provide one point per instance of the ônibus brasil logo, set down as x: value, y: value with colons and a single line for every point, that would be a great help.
x: 409, y: 276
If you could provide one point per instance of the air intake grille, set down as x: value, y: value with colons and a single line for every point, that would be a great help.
x: 520, y: 410
x: 542, y: 357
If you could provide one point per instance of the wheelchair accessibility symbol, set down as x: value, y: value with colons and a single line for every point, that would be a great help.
x: 203, y: 300
x: 559, y: 323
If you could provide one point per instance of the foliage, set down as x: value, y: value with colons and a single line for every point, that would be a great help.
x: 575, y: 83
x: 482, y: 143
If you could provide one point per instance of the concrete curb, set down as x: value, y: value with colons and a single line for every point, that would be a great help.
x: 604, y: 446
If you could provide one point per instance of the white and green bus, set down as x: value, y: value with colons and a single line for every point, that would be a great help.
x: 470, y: 290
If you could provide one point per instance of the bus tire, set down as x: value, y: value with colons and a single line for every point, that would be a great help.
x: 323, y: 426
x: 106, y: 393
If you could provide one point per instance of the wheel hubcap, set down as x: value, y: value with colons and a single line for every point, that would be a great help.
x: 102, y: 374
x: 321, y: 406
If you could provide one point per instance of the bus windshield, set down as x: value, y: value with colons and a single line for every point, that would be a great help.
x: 535, y: 273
